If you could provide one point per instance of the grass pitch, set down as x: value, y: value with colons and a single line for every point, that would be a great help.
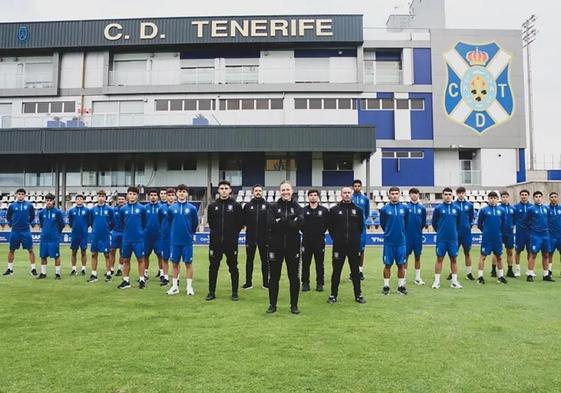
x: 69, y: 336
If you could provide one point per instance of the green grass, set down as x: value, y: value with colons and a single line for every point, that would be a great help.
x: 69, y: 336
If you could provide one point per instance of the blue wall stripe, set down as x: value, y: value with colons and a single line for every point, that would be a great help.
x: 421, y: 121
x: 410, y: 172
x: 422, y: 68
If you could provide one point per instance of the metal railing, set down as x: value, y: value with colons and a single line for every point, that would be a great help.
x: 30, y: 80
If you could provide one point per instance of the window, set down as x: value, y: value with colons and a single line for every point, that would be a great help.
x: 49, y: 107
x: 276, y: 103
x: 162, y: 105
x: 416, y: 154
x: 206, y: 105
x: 280, y: 164
x: 373, y: 104
x: 344, y: 103
x: 417, y: 104
x: 248, y: 104
x: 315, y: 103
x: 261, y: 104
x: 56, y: 107
x: 337, y: 162
x: 387, y: 104
x: 182, y: 164
x: 330, y: 103
x: 184, y: 105
x: 175, y: 105
x: 233, y: 104
x: 190, y: 105
x: 300, y: 103
x: 402, y: 104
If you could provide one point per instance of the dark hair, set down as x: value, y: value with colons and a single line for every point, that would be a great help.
x: 224, y: 183
x: 123, y: 195
x: 100, y: 192
x: 524, y: 190
x: 460, y: 189
x: 170, y: 190
x: 553, y: 193
x: 49, y: 197
x: 394, y: 188
x: 20, y: 190
x: 133, y: 189
x: 414, y: 191
x: 537, y: 193
x: 256, y: 186
x: 447, y: 189
x: 492, y: 194
x: 153, y: 191
x: 505, y: 193
x: 78, y: 196
x: 313, y: 191
x: 357, y: 181
x: 182, y: 187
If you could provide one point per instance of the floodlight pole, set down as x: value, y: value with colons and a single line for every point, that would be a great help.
x: 528, y: 36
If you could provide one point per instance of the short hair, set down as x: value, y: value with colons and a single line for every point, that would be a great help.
x: 414, y: 191
x: 102, y: 192
x: 357, y: 181
x: 133, y: 189
x: 447, y: 189
x: 224, y: 183
x: 313, y: 191
x: 153, y: 191
x: 256, y: 186
x: 492, y: 194
x: 503, y: 193
x: 182, y: 187
x: 285, y: 182
x: 121, y: 195
x: 537, y: 193
x: 20, y: 190
x: 524, y: 190
x: 164, y: 190
x: 553, y: 193
x: 49, y: 197
x: 393, y: 188
x: 79, y: 196
x: 460, y: 189
x: 170, y: 190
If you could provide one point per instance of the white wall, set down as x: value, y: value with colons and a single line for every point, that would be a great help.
x: 402, y: 120
x: 71, y: 70
x: 317, y: 169
x: 342, y: 70
x: 276, y: 66
x: 498, y: 167
x: 447, y: 168
x: 94, y: 69
x: 407, y: 66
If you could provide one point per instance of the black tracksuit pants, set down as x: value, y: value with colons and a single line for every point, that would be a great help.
x: 215, y: 253
x: 313, y: 248
x: 250, y: 249
x: 340, y: 252
x: 292, y: 258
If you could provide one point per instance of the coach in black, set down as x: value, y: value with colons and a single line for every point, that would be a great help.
x: 345, y: 227
x: 225, y: 219
x: 313, y: 240
x: 284, y: 221
x: 255, y: 221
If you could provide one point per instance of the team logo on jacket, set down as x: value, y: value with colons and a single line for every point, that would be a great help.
x: 230, y: 207
x: 478, y: 94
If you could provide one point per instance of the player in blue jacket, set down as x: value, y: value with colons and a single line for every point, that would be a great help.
x: 152, y: 235
x: 101, y: 220
x: 537, y: 219
x: 184, y: 219
x: 414, y: 232
x: 394, y: 218
x: 117, y: 235
x: 50, y: 220
x: 78, y: 219
x: 467, y: 215
x: 363, y: 202
x: 554, y: 223
x: 445, y: 221
x: 165, y: 225
x: 507, y: 235
x: 491, y: 223
x: 20, y: 215
x: 521, y: 229
x: 133, y: 220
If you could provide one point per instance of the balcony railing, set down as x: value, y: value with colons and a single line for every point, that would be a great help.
x: 35, y: 80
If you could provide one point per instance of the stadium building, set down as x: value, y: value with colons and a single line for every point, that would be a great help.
x: 316, y: 99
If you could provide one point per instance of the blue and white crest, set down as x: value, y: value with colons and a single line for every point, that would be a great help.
x: 23, y: 33
x: 478, y: 93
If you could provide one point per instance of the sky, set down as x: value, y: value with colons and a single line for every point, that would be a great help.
x: 477, y: 14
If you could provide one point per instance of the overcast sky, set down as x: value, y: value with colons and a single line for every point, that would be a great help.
x: 496, y: 14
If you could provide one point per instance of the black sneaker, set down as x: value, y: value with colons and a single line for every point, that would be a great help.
x: 210, y: 296
x: 548, y: 278
x: 510, y: 273
x: 470, y: 277
x: 146, y: 277
x: 112, y: 272
x: 57, y: 276
x: 305, y: 287
x: 331, y: 299
x: 294, y: 310
x: 271, y: 309
x: 480, y: 280
x: 164, y: 282
x: 493, y: 273
x: 72, y: 273
x: 247, y: 285
x: 83, y: 272
x: 142, y: 284
x: 8, y: 272
x: 235, y: 297
x: 319, y: 288
x: 449, y: 277
x: 360, y: 300
x: 550, y: 273
x: 41, y: 276
x: 92, y: 278
x: 265, y: 285
x: 124, y: 285
x: 108, y: 277
x: 161, y: 278
x: 529, y: 278
x: 502, y: 280
x: 361, y: 276
x: 119, y: 273
x: 34, y: 272
x: 158, y: 274
x: 386, y: 290
x: 402, y: 290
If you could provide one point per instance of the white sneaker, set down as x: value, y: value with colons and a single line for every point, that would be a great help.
x: 436, y: 285
x: 456, y: 285
x: 516, y: 272
x: 173, y: 291
x: 419, y: 282
x: 190, y: 292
